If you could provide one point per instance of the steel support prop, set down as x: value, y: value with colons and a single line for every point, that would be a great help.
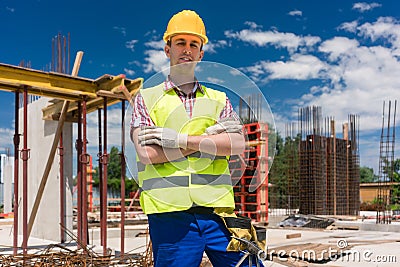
x: 25, y: 158
x: 78, y: 146
x: 62, y: 189
x: 100, y: 156
x: 16, y: 174
x: 104, y: 162
x: 84, y: 160
x: 123, y: 173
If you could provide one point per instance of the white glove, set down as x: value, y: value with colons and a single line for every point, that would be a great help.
x: 165, y: 137
x: 228, y: 125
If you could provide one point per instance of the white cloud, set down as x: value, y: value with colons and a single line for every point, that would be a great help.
x: 252, y: 25
x: 11, y: 9
x: 338, y: 46
x: 299, y: 67
x: 289, y: 41
x: 155, y: 57
x: 349, y: 26
x: 156, y: 61
x: 385, y: 27
x: 6, y: 138
x: 368, y: 77
x: 156, y: 44
x: 211, y: 47
x: 215, y: 81
x: 122, y: 30
x: 131, y: 44
x: 362, y: 6
x: 129, y: 72
x: 296, y: 13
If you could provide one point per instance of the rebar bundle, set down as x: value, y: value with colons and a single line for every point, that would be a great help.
x: 386, y: 161
x: 81, y: 255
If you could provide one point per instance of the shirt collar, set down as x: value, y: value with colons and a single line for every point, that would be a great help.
x: 169, y: 85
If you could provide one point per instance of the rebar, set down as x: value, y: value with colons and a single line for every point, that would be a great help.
x: 328, y: 181
x: 386, y: 161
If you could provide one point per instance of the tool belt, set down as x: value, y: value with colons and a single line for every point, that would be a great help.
x: 241, y: 227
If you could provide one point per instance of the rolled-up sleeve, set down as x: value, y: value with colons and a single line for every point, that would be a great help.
x: 140, y: 114
x: 228, y: 111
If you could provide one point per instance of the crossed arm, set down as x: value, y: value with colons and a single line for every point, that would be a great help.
x: 222, y: 144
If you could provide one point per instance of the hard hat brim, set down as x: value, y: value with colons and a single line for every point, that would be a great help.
x: 203, y: 38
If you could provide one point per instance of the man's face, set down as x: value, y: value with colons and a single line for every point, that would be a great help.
x: 185, y: 48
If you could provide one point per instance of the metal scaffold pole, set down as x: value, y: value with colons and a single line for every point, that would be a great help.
x: 25, y: 158
x: 104, y: 182
x: 84, y: 161
x: 16, y: 174
x: 123, y: 173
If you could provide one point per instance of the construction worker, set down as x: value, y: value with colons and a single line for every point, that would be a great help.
x: 183, y: 134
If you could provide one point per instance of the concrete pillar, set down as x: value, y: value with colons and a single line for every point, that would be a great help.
x: 40, y: 138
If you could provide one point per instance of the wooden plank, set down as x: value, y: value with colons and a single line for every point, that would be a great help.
x: 295, y: 235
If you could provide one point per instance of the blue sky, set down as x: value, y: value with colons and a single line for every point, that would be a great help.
x: 340, y: 55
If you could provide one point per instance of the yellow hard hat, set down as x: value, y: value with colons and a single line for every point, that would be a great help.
x: 186, y: 22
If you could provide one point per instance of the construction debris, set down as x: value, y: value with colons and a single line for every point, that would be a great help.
x: 77, y: 254
x: 306, y: 221
x: 57, y: 255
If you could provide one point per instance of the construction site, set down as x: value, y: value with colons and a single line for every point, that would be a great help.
x: 310, y: 206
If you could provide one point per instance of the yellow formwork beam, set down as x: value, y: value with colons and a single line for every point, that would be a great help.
x: 13, y: 78
x: 66, y: 87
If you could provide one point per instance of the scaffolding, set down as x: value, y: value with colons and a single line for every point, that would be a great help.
x: 74, y: 97
x: 250, y: 174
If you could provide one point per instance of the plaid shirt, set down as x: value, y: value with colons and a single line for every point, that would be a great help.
x: 141, y: 117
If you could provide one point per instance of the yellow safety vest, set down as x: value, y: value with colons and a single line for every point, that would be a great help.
x: 200, y: 178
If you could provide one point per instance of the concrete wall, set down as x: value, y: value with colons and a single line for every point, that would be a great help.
x: 40, y: 138
x: 6, y: 182
x: 8, y: 172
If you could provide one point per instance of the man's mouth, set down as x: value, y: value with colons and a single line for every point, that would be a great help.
x: 186, y: 59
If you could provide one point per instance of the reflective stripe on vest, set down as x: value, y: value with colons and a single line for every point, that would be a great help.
x: 196, y: 179
x: 199, y: 178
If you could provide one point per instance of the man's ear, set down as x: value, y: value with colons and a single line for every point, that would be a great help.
x: 201, y: 55
x: 166, y: 50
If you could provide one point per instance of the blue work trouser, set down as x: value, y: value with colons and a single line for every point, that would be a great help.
x: 181, y: 238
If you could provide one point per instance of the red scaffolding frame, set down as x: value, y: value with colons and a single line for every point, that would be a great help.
x: 250, y: 174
